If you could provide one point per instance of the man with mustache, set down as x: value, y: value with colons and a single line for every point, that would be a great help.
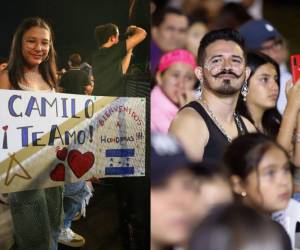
x: 206, y: 126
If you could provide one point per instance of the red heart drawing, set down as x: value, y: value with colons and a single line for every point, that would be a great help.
x: 61, y: 154
x: 5, y: 128
x: 58, y: 173
x: 80, y: 163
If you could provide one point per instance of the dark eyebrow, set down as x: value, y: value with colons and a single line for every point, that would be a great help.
x: 215, y: 56
x: 233, y: 56
x: 265, y: 74
x: 239, y: 57
x: 270, y: 166
x: 33, y: 37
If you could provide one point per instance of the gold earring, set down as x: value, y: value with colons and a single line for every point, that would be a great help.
x: 244, y: 194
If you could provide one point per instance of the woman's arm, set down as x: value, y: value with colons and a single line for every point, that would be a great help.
x: 289, y: 132
x: 289, y: 118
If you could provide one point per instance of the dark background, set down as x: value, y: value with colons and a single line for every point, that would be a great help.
x: 284, y: 15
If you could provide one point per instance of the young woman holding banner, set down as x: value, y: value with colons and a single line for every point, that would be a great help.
x: 36, y: 214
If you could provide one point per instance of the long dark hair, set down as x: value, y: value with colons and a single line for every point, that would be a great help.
x: 244, y: 154
x: 271, y: 118
x: 17, y: 62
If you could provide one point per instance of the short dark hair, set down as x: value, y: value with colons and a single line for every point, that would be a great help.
x: 209, y: 170
x: 215, y: 35
x: 159, y: 15
x: 104, y: 32
x: 75, y: 59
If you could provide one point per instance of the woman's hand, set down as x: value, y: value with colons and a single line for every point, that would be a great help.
x: 293, y: 95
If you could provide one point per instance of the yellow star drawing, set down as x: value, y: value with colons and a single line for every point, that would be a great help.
x: 9, y: 178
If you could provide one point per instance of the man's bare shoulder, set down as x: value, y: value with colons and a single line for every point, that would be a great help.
x: 190, y: 129
x: 188, y: 116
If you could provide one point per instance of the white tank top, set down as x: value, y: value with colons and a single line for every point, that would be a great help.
x: 35, y: 82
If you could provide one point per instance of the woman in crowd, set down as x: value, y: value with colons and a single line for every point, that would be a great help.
x: 195, y: 33
x: 32, y: 66
x: 175, y: 87
x: 258, y: 102
x: 261, y: 177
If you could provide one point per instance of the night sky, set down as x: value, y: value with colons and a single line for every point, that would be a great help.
x: 73, y: 23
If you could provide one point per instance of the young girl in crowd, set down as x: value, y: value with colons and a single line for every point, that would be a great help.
x: 36, y: 214
x: 261, y: 176
x: 258, y: 103
x: 175, y: 87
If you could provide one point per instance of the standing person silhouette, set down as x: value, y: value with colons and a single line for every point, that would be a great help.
x: 111, y: 61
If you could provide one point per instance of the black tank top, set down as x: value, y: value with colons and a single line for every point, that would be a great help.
x: 217, y: 142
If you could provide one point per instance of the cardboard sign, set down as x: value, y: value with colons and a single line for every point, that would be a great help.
x: 47, y: 139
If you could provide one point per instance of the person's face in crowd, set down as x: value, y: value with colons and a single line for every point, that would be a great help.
x: 35, y: 46
x: 269, y: 188
x: 171, y: 205
x: 276, y: 49
x: 194, y: 35
x: 224, y: 70
x: 263, y: 88
x: 212, y: 192
x: 171, y: 33
x: 176, y: 80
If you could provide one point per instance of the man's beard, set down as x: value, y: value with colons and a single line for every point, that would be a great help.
x: 226, y: 89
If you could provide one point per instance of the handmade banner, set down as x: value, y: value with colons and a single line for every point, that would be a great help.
x: 47, y: 139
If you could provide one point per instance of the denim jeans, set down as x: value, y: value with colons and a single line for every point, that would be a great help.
x: 36, y: 215
x: 76, y: 197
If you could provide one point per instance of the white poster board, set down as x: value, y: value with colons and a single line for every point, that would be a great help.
x: 47, y: 139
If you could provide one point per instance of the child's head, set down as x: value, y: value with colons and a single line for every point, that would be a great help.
x: 238, y: 227
x: 261, y: 173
